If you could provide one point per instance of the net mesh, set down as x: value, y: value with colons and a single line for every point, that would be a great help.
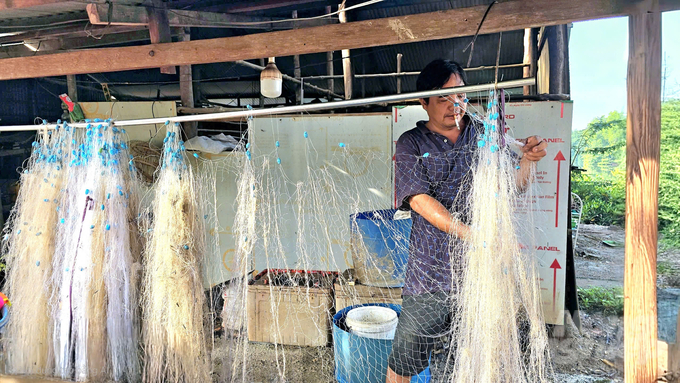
x: 124, y: 269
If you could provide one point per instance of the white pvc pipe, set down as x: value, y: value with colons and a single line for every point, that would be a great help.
x: 292, y: 109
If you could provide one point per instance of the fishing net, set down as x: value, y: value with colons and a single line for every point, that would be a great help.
x: 126, y: 283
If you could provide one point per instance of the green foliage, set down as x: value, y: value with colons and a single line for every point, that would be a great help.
x: 669, y: 177
x: 603, y: 199
x: 601, y: 148
x: 607, y: 300
x: 665, y: 268
x: 600, y: 151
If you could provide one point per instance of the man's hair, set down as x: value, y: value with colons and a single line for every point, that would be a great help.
x: 437, y: 73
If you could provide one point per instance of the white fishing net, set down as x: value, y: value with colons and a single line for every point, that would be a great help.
x: 125, y: 284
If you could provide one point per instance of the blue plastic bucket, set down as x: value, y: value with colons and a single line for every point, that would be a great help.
x: 363, y: 360
x: 380, y: 247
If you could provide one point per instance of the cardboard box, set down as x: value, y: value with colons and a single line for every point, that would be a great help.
x: 291, y: 307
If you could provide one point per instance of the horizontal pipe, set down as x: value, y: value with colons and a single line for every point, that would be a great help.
x: 298, y: 108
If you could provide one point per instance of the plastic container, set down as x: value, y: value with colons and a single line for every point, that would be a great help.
x: 380, y: 247
x: 374, y: 322
x: 363, y: 360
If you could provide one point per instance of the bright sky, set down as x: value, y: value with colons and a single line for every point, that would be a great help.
x: 598, y: 54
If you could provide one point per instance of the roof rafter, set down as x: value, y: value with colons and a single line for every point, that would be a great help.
x: 505, y: 16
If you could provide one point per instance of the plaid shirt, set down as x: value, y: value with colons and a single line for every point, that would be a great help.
x: 429, y: 163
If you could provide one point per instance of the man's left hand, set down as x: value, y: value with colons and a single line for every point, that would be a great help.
x: 534, y: 148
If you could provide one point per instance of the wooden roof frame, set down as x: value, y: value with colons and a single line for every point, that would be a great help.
x: 504, y: 16
x: 644, y: 104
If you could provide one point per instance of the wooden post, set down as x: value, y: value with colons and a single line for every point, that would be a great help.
x: 297, y: 73
x: 346, y: 63
x: 72, y: 87
x: 534, y: 58
x: 642, y: 188
x: 399, y: 56
x: 558, y: 51
x: 329, y: 65
x: 261, y: 105
x: 186, y: 91
x: 529, y: 56
x: 159, y: 28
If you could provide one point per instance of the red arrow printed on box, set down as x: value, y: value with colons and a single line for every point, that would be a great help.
x: 559, y: 158
x: 555, y: 265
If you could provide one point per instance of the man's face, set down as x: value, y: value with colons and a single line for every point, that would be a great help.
x: 442, y: 111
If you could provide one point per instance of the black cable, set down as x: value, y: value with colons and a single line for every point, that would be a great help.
x: 471, y: 45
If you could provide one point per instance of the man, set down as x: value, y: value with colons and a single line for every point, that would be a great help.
x: 433, y: 180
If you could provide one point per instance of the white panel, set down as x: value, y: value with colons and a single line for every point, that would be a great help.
x: 552, y: 121
x: 366, y: 138
x: 131, y: 111
x: 219, y: 267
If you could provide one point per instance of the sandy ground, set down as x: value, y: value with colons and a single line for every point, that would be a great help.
x: 592, y: 355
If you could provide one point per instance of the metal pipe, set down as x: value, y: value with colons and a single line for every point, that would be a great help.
x: 293, y: 79
x: 298, y: 108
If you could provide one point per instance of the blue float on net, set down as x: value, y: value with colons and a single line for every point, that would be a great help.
x: 426, y: 154
x: 278, y: 161
x: 306, y: 135
x: 196, y: 155
x: 341, y: 144
x: 481, y: 143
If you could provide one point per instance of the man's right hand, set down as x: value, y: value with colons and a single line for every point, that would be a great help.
x: 436, y: 214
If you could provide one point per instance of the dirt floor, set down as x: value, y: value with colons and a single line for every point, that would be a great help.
x: 592, y: 355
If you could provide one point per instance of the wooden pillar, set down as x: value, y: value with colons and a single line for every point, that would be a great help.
x: 186, y: 91
x: 159, y: 28
x: 261, y: 105
x: 329, y: 64
x: 399, y: 56
x: 642, y: 188
x: 346, y: 63
x: 297, y: 73
x: 558, y: 42
x: 529, y: 58
x: 72, y: 87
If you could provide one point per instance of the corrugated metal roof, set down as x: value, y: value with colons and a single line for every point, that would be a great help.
x: 412, y: 7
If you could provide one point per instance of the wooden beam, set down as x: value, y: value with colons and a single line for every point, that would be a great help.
x: 48, y: 47
x: 159, y: 29
x: 78, y: 30
x: 297, y: 72
x: 20, y: 24
x: 529, y: 58
x: 72, y: 86
x: 21, y: 4
x: 98, y: 14
x: 643, y: 140
x: 558, y: 42
x: 505, y: 16
x: 329, y: 63
x: 186, y: 91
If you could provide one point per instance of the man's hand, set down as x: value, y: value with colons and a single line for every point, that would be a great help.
x: 436, y: 214
x: 534, y: 148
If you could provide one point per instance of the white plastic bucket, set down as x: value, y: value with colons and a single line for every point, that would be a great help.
x: 373, y: 322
